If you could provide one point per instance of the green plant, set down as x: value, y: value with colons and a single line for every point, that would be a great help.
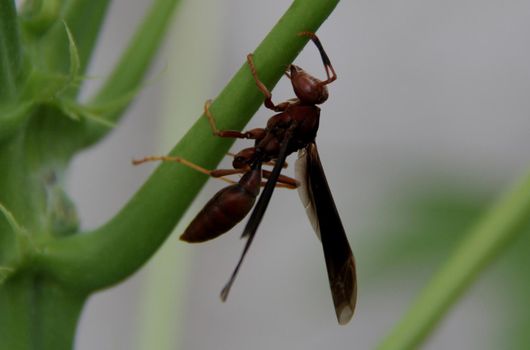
x: 47, y: 267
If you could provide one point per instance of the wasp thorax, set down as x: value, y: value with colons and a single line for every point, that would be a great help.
x: 306, y: 87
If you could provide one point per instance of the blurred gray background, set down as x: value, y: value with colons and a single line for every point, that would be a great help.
x: 437, y: 87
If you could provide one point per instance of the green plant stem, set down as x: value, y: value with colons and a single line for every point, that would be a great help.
x: 10, y: 50
x: 38, y: 314
x: 112, y: 252
x: 501, y: 225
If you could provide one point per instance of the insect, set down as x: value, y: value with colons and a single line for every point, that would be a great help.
x: 293, y: 128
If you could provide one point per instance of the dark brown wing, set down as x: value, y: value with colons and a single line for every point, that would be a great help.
x: 259, y: 211
x: 318, y: 201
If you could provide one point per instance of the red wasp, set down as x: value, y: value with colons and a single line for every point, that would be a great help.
x: 293, y: 129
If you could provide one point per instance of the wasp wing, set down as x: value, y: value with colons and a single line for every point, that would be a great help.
x: 318, y: 201
x: 259, y: 210
x: 306, y: 196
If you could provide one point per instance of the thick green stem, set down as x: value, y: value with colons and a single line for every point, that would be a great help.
x: 105, y: 256
x: 36, y: 141
x: 38, y: 314
x: 481, y: 246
